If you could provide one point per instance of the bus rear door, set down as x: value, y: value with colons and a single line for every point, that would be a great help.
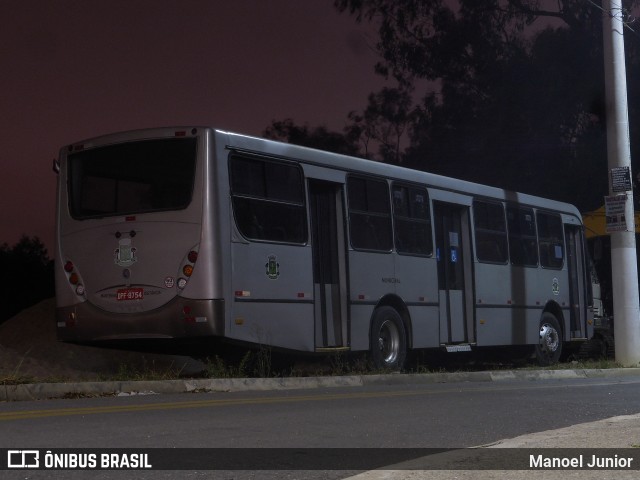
x: 329, y: 275
x: 454, y: 273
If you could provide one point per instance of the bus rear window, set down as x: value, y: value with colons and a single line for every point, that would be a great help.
x: 134, y: 177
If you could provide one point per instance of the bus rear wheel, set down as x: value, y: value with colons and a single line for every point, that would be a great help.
x: 388, y: 340
x: 549, y: 346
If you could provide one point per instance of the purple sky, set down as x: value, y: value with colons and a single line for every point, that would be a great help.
x: 73, y: 69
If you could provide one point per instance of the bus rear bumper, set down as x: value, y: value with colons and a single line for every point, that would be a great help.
x: 181, y: 318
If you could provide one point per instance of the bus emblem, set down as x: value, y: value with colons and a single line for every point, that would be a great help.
x: 125, y: 254
x: 273, y: 267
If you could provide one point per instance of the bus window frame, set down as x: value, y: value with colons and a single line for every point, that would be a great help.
x: 428, y: 221
x: 351, y: 211
x: 504, y: 233
x: 564, y: 242
x: 521, y: 208
x: 303, y: 205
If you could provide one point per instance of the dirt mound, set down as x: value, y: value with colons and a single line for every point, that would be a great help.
x: 29, y: 349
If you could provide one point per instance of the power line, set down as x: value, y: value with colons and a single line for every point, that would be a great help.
x: 627, y: 18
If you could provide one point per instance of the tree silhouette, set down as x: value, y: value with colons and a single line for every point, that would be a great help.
x: 507, y: 93
x: 26, y: 275
x: 513, y: 91
x: 318, y: 137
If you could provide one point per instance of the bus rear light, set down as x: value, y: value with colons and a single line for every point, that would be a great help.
x: 80, y: 290
x: 68, y: 267
x: 74, y: 278
x: 186, y: 270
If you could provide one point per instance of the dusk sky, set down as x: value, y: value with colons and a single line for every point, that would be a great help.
x: 74, y: 69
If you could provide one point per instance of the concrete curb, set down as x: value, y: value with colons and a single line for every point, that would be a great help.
x: 40, y: 391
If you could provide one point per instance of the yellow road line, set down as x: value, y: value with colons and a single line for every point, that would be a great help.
x: 60, y: 412
x: 225, y: 402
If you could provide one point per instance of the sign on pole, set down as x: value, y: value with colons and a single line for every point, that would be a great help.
x: 621, y: 179
x: 614, y: 208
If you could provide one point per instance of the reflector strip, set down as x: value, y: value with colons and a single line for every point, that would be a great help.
x: 242, y: 293
x: 458, y: 348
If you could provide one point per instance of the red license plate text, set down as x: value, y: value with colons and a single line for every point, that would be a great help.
x: 130, y: 294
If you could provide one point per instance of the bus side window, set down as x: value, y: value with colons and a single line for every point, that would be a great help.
x: 268, y: 200
x: 523, y: 242
x: 490, y: 232
x: 369, y: 214
x: 550, y: 240
x: 412, y: 220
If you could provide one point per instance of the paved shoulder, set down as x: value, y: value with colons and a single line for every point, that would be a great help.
x: 621, y: 432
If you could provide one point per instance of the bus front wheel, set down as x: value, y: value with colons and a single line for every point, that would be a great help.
x: 388, y: 340
x: 549, y: 346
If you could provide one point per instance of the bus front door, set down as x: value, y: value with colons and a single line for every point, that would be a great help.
x: 577, y: 281
x: 329, y: 264
x: 454, y: 273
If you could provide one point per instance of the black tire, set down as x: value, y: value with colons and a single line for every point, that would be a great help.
x: 388, y: 340
x: 549, y: 346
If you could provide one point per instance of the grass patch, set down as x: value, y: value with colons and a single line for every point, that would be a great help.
x: 16, y: 380
x: 583, y: 364
x: 219, y: 368
x: 148, y: 372
x: 264, y: 363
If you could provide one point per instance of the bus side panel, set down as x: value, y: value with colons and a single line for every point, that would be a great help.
x: 493, y: 312
x: 418, y: 287
x: 371, y: 277
x: 508, y: 304
x: 273, y: 295
x: 360, y: 316
x: 553, y: 286
x: 425, y: 324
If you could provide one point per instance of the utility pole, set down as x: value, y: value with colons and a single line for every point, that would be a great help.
x: 624, y: 270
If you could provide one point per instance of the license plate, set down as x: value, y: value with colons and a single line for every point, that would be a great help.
x: 130, y: 294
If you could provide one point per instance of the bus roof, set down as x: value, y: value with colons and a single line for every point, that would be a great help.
x: 360, y: 165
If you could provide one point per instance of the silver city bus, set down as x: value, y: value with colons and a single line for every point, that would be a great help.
x: 180, y: 233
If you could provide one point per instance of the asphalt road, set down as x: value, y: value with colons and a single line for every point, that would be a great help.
x: 376, y: 416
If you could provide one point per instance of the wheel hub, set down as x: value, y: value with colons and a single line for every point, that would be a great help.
x: 389, y: 341
x: 549, y: 338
